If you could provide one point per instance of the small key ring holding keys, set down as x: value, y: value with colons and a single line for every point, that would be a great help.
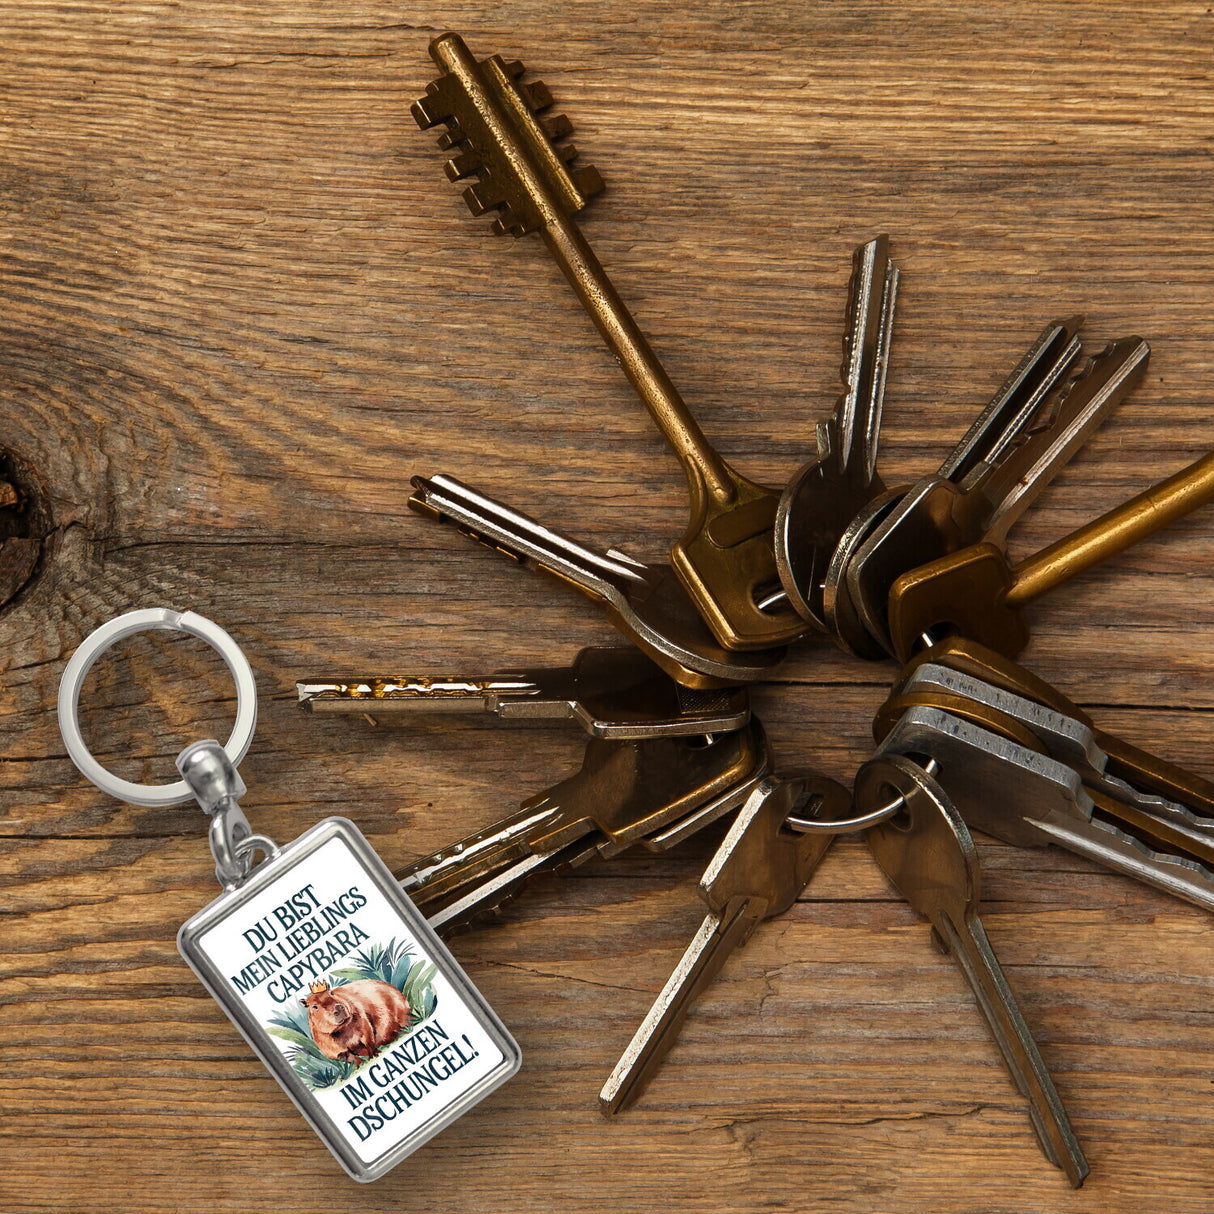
x: 843, y: 826
x: 209, y: 769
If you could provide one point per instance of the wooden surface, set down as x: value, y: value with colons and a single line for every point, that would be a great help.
x: 241, y: 306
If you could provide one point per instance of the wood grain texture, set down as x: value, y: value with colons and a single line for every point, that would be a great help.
x: 241, y: 306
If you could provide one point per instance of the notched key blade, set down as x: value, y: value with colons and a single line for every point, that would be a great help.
x: 525, y: 173
x: 823, y: 498
x: 929, y: 855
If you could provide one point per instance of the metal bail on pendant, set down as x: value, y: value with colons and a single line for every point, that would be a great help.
x: 217, y: 786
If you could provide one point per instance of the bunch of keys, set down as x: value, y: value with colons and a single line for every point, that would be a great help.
x: 885, y: 572
x: 662, y: 762
x: 318, y: 958
x: 1024, y: 765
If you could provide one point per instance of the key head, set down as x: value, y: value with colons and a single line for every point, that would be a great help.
x: 963, y: 594
x: 926, y: 851
x: 933, y: 518
x: 618, y: 693
x: 495, y: 134
x: 980, y: 662
x: 843, y: 619
x: 647, y: 603
x: 959, y: 706
x: 726, y: 561
x: 815, y: 511
x: 628, y: 790
x: 761, y: 857
x: 662, y: 619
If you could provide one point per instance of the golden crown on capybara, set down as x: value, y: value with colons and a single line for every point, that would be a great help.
x: 354, y: 1022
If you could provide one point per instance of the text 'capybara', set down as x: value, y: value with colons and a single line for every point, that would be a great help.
x: 354, y: 1022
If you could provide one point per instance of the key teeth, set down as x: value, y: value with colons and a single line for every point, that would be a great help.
x: 557, y: 126
x: 463, y: 165
x: 536, y: 94
x: 587, y: 180
x: 484, y: 196
x: 503, y: 227
x: 426, y: 116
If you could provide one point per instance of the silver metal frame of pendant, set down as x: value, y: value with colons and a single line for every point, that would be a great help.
x: 272, y: 870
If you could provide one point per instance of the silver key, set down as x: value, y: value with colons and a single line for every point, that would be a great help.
x: 941, y: 515
x: 1072, y: 742
x: 928, y: 854
x: 647, y: 603
x: 613, y: 692
x: 490, y: 893
x: 821, y: 500
x: 1028, y: 799
x: 623, y: 793
x: 1006, y: 416
x: 756, y: 873
x: 475, y: 903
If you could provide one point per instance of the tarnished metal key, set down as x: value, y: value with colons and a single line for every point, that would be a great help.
x: 613, y: 692
x: 928, y: 854
x: 645, y: 602
x: 825, y: 495
x: 1160, y: 821
x: 994, y: 432
x: 1147, y: 773
x: 940, y: 514
x: 1026, y: 798
x: 757, y: 873
x: 623, y: 793
x: 978, y: 593
x: 725, y: 559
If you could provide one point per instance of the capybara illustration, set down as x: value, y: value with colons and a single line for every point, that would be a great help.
x: 354, y: 1022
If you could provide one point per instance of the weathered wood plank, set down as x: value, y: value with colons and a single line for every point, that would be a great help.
x: 242, y: 307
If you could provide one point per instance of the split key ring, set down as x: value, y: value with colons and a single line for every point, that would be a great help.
x: 147, y: 620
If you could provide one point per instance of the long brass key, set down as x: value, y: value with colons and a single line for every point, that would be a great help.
x: 757, y: 873
x: 929, y: 856
x: 726, y: 557
x: 977, y: 593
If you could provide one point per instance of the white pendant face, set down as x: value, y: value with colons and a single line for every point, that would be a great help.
x: 344, y: 991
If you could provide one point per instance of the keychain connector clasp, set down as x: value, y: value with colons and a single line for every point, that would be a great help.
x: 215, y: 782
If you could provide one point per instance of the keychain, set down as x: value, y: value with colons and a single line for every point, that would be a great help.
x: 328, y: 970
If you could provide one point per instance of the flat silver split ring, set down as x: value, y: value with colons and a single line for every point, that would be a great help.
x: 96, y: 643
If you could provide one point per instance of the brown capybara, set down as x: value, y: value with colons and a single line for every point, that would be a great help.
x: 354, y: 1022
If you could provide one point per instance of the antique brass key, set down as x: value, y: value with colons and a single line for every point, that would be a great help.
x: 726, y: 558
x: 977, y: 593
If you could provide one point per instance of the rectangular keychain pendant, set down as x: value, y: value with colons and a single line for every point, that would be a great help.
x: 346, y: 994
